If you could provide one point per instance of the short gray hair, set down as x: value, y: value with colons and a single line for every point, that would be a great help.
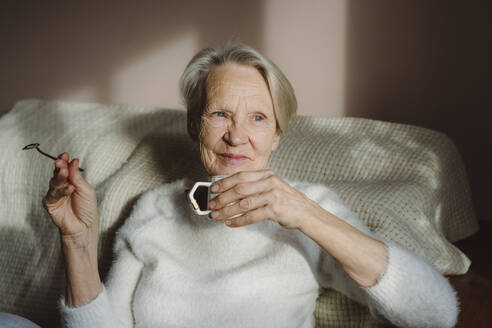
x: 193, y: 81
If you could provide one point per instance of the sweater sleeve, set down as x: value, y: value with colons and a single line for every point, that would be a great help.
x: 94, y: 314
x: 410, y: 293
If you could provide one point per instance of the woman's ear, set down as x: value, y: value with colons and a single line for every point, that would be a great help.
x: 193, y: 130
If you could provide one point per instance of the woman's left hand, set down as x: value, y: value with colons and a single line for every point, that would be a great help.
x: 260, y: 195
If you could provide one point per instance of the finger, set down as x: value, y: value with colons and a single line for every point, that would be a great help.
x: 244, y: 205
x: 241, y: 191
x: 56, y: 193
x: 59, y: 164
x: 60, y: 167
x: 57, y: 185
x: 60, y: 177
x: 62, y: 191
x: 64, y: 156
x: 255, y: 216
x: 76, y: 177
x: 240, y: 177
x: 68, y: 190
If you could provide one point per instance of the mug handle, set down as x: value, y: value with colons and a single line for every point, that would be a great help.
x: 194, y: 203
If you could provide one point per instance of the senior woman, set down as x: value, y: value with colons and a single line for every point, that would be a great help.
x: 264, y: 268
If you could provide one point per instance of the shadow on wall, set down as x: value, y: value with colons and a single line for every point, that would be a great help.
x: 84, y: 45
x: 426, y: 63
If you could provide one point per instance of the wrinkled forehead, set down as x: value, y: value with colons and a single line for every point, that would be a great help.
x: 232, y: 81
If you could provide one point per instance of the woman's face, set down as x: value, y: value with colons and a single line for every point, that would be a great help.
x: 238, y: 126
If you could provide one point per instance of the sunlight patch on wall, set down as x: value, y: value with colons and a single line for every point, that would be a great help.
x: 80, y: 94
x: 153, y: 79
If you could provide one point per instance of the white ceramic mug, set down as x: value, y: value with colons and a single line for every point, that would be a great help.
x: 210, y: 195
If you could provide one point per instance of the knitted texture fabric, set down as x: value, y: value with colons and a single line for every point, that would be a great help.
x: 406, y: 183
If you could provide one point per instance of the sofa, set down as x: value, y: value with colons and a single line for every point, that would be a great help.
x: 407, y: 183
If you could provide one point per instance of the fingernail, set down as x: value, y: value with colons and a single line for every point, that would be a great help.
x: 228, y: 222
x: 212, y: 204
x: 215, y: 188
x: 214, y: 214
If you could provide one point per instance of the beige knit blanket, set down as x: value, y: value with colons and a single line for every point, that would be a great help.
x: 406, y: 183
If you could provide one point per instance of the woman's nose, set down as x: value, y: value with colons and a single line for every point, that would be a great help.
x: 236, y: 135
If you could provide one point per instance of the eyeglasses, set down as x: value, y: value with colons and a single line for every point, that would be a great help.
x: 36, y: 146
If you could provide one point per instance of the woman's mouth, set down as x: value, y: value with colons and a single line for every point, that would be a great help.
x: 233, y: 158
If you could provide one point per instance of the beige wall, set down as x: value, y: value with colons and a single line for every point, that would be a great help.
x: 418, y: 62
x: 134, y: 52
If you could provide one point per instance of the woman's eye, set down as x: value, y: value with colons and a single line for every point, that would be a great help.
x: 219, y: 114
x: 258, y: 118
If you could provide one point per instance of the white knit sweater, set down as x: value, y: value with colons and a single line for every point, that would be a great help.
x: 177, y: 269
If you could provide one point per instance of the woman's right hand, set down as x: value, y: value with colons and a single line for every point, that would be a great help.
x: 72, y: 204
x: 70, y: 200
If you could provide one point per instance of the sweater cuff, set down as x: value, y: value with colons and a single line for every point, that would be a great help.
x: 412, y: 293
x: 97, y: 313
